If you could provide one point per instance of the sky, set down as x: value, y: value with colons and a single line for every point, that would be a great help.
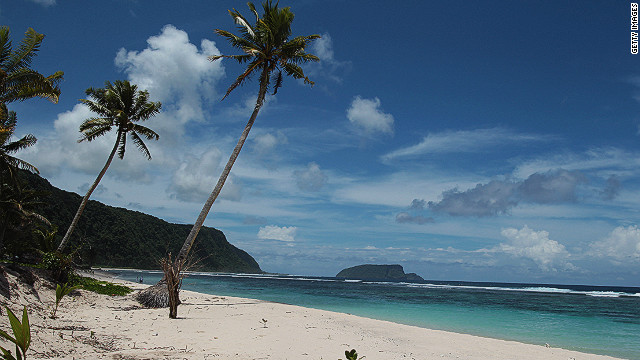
x: 480, y: 140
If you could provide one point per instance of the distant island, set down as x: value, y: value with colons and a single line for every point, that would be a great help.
x: 378, y: 272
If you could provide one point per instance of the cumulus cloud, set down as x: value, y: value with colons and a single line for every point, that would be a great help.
x: 464, y: 141
x: 622, y: 245
x: 175, y: 72
x: 196, y: 175
x: 494, y: 198
x: 548, y: 254
x: 266, y: 142
x: 272, y: 232
x: 417, y: 204
x: 552, y: 187
x: 61, y: 149
x: 412, y: 216
x: 328, y: 66
x: 100, y: 189
x: 310, y: 179
x: 499, y: 196
x: 367, y: 116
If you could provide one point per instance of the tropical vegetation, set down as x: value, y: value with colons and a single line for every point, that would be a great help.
x: 19, y: 82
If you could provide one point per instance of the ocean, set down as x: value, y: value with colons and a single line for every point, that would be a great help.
x: 592, y: 319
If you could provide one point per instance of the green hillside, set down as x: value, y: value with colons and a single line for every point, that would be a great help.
x: 116, y: 237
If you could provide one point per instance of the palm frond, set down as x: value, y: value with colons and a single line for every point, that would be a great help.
x: 23, y: 56
x: 145, y: 131
x: 5, y: 45
x: 122, y: 138
x: 140, y: 144
x: 278, y: 82
x: 296, y: 72
x: 242, y: 77
x: 15, y: 146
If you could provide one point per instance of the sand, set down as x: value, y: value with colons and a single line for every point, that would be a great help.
x: 92, y: 326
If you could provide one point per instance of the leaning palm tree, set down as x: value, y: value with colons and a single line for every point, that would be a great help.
x: 17, y: 80
x: 120, y: 106
x: 268, y: 50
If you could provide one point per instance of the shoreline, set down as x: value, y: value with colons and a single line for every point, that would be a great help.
x: 378, y: 339
x: 96, y: 326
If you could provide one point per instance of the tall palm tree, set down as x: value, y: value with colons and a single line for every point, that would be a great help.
x: 268, y: 50
x: 120, y: 106
x: 17, y: 80
x: 9, y: 164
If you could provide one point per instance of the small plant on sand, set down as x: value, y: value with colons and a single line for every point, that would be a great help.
x: 21, y: 336
x: 352, y: 355
x: 264, y: 323
x: 61, y: 291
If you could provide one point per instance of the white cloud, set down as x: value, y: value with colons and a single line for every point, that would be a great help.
x: 264, y: 143
x: 61, y: 149
x: 464, y: 141
x: 622, y: 245
x: 311, y: 179
x: 367, y: 116
x: 536, y: 245
x: 175, y: 72
x: 597, y: 159
x: 272, y: 232
x: 45, y: 3
x: 323, y: 48
x: 328, y: 67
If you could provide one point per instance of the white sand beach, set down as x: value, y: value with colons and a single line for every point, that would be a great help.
x: 93, y: 326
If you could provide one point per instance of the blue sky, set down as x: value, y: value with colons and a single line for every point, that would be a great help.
x: 486, y: 140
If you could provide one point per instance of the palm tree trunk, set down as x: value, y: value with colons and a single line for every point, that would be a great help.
x: 85, y: 199
x: 188, y: 243
x: 155, y: 296
x: 3, y: 229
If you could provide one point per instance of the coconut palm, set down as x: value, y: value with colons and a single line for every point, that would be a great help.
x: 17, y: 80
x: 120, y: 106
x: 17, y: 206
x: 9, y: 164
x: 268, y: 50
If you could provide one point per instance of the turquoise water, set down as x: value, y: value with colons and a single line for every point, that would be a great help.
x: 599, y: 320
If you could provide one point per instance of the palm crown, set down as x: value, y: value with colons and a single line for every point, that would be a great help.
x: 120, y: 105
x: 9, y: 163
x: 17, y: 80
x: 267, y: 47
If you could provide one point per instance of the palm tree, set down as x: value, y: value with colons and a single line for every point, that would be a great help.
x: 17, y: 206
x: 268, y: 50
x: 17, y: 80
x: 9, y: 164
x: 120, y: 106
